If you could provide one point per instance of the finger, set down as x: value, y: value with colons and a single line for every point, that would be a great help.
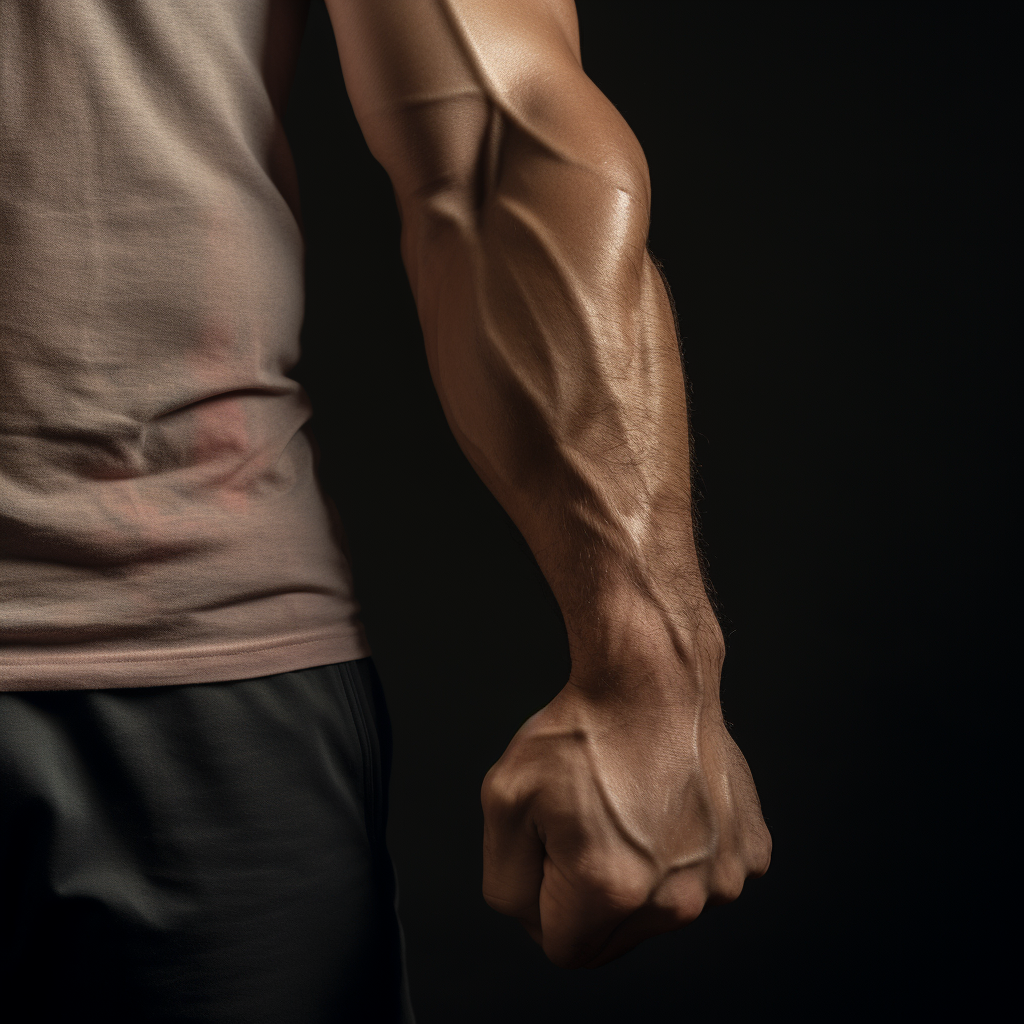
x: 726, y: 882
x: 513, y: 863
x: 677, y: 903
x: 580, y: 910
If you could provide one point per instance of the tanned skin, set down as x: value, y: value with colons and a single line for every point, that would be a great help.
x: 623, y: 807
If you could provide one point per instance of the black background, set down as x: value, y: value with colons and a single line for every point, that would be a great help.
x: 832, y: 208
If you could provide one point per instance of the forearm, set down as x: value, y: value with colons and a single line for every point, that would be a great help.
x: 551, y: 343
x: 623, y: 805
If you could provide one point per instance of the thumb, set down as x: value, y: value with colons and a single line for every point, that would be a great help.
x: 579, y: 913
x: 513, y: 863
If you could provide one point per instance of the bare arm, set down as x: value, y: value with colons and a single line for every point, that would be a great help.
x: 623, y: 806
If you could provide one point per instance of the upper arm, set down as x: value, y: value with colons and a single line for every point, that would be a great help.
x: 444, y: 90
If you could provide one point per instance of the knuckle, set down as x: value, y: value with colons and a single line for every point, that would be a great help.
x: 731, y: 885
x: 726, y: 882
x: 686, y: 907
x: 680, y: 901
x: 761, y: 856
x: 497, y: 791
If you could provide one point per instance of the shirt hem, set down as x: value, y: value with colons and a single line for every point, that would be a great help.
x: 94, y: 671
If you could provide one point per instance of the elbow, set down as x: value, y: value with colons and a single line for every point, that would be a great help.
x: 526, y: 157
x: 534, y: 165
x: 605, y: 181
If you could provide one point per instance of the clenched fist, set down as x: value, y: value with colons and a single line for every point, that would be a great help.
x: 619, y: 811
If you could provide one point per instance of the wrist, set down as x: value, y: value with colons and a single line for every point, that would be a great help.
x: 638, y: 644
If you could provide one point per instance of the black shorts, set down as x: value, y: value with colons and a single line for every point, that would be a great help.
x: 211, y: 853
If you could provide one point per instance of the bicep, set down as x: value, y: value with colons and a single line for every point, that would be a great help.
x: 435, y: 83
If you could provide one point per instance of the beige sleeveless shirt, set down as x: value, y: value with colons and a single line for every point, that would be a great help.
x: 160, y: 516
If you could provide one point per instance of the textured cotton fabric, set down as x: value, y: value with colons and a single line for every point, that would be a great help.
x: 209, y: 853
x: 160, y: 516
